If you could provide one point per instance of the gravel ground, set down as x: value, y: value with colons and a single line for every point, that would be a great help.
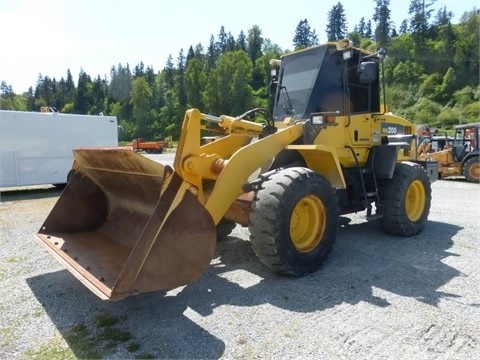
x: 377, y: 297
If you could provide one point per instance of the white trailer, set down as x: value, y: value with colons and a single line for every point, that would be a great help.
x: 37, y: 147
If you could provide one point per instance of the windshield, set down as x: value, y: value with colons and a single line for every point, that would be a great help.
x: 299, y: 93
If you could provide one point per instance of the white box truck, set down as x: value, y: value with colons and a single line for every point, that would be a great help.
x: 36, y: 148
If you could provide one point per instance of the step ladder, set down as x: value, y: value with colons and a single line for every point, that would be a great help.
x: 369, y: 184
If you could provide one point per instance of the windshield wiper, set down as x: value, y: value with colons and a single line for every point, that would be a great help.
x: 287, y: 104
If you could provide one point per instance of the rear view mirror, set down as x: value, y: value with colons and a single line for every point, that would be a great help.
x: 367, y: 71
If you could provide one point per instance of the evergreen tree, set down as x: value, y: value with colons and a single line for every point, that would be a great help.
x: 190, y: 54
x: 169, y: 73
x: 150, y: 76
x: 255, y: 43
x: 336, y: 23
x: 212, y: 53
x: 443, y: 17
x: 420, y: 15
x: 368, y: 30
x: 362, y: 27
x: 121, y: 83
x: 180, y: 81
x: 304, y: 36
x: 231, y: 44
x: 82, y: 102
x: 199, y: 51
x: 222, y: 41
x: 98, y: 95
x: 30, y: 101
x: 139, y: 70
x: 70, y: 89
x: 382, y: 19
x: 242, y: 41
x: 6, y: 90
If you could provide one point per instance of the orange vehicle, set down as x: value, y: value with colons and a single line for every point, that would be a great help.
x: 150, y: 147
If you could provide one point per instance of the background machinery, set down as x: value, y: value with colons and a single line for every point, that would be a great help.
x: 126, y: 225
x: 457, y: 156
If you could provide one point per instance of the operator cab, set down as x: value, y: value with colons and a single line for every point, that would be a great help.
x: 332, y: 78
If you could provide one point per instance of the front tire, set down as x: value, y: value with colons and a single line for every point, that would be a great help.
x: 294, y: 220
x: 471, y: 169
x: 406, y: 200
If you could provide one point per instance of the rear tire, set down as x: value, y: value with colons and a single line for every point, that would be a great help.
x: 294, y: 220
x: 471, y: 169
x: 406, y: 198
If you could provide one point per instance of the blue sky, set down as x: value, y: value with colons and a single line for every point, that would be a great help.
x: 50, y: 36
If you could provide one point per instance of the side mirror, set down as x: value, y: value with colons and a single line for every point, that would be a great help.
x: 367, y: 71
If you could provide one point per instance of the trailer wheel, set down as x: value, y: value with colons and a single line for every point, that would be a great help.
x: 406, y: 200
x: 471, y: 169
x: 293, y: 222
x: 224, y: 228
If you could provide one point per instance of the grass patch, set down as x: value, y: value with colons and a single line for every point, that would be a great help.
x: 145, y: 356
x: 16, y: 259
x: 115, y: 335
x: 51, y: 351
x: 102, y: 340
x: 83, y: 345
x: 102, y: 319
x: 6, y: 336
x: 132, y: 347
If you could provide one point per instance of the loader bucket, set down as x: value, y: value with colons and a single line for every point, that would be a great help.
x: 125, y: 225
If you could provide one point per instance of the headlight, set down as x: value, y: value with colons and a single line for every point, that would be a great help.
x: 318, y: 120
x: 322, y: 119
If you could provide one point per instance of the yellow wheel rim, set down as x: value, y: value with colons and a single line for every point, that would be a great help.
x: 474, y: 171
x: 415, y: 200
x: 307, y: 224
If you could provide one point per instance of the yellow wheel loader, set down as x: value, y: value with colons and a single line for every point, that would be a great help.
x: 125, y: 225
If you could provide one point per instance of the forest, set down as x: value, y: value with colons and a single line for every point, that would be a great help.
x: 431, y: 74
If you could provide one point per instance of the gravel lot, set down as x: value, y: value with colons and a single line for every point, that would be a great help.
x: 377, y: 297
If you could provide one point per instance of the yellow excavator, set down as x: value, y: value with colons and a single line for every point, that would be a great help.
x: 125, y: 225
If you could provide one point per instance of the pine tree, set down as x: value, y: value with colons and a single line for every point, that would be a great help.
x: 443, y: 17
x: 180, y: 80
x: 337, y: 23
x: 304, y: 36
x: 69, y: 96
x: 382, y: 18
x: 361, y: 28
x: 82, y: 102
x: 242, y: 41
x: 368, y: 30
x: 420, y: 16
x: 255, y: 43
x: 212, y: 53
x: 222, y: 41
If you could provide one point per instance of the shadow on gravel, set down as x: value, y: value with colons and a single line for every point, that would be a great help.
x: 364, y: 265
x: 29, y: 193
x: 156, y: 322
